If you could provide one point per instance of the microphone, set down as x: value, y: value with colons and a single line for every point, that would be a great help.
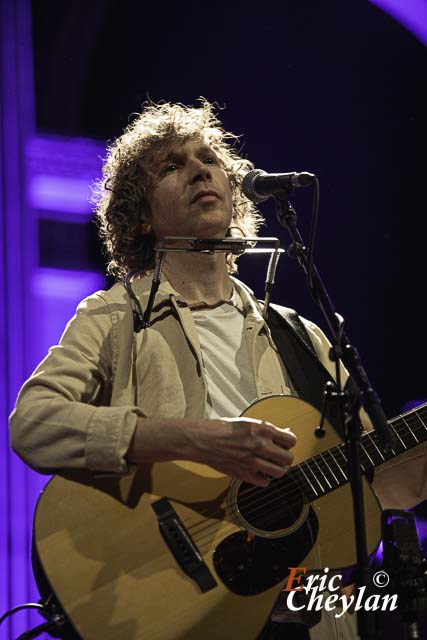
x: 257, y: 185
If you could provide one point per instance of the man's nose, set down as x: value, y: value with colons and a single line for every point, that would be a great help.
x: 199, y: 172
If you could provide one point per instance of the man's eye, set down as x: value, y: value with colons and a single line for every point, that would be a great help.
x: 170, y: 168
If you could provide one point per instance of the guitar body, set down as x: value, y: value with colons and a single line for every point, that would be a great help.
x: 179, y: 551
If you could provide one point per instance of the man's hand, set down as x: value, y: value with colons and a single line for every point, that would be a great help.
x: 246, y: 449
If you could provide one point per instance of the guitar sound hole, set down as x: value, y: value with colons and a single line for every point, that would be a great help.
x: 272, y: 508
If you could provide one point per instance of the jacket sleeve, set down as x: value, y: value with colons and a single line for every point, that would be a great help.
x: 62, y: 419
x: 401, y: 482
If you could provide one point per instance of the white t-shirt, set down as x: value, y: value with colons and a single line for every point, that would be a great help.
x: 229, y: 374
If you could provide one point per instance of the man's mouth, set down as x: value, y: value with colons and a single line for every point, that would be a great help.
x: 205, y: 194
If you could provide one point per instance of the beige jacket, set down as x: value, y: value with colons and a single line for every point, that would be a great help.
x: 80, y: 407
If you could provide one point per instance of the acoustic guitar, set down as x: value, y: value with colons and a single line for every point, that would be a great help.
x: 177, y: 550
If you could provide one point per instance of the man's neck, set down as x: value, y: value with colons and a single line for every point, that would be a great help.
x: 199, y: 278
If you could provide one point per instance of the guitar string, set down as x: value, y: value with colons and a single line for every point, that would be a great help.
x: 245, y: 500
x: 275, y: 486
x: 262, y: 501
x: 368, y: 445
x: 204, y: 544
x: 277, y: 482
x: 202, y: 536
x: 233, y: 527
x: 270, y: 515
x: 259, y: 490
x: 206, y: 526
x: 268, y: 518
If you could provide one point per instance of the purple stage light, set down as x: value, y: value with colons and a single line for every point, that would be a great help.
x: 56, y: 293
x: 412, y: 404
x: 57, y: 194
x: 61, y: 171
x: 61, y: 284
x: 412, y: 14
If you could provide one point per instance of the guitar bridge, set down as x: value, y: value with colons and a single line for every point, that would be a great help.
x: 181, y: 545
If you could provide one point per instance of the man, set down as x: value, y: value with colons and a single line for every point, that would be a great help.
x: 109, y: 397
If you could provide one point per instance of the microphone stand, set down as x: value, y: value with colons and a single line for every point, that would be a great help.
x: 362, y: 394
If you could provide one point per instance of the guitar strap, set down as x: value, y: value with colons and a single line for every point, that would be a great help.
x: 307, y: 373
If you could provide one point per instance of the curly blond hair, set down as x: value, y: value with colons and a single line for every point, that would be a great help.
x: 122, y: 197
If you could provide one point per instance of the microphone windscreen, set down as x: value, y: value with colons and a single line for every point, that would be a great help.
x: 248, y: 188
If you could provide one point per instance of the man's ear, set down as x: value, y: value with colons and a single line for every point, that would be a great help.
x: 145, y: 228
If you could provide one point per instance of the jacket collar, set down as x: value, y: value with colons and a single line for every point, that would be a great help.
x: 142, y: 285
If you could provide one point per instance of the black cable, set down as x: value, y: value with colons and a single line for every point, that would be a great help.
x: 36, y: 631
x: 29, y: 605
x: 54, y: 619
x: 136, y: 306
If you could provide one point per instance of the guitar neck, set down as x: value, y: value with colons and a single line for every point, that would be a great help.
x: 329, y: 470
x: 410, y: 429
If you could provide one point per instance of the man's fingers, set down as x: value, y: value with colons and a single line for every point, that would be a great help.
x: 284, y: 437
x: 257, y: 450
x: 264, y: 478
x: 272, y: 470
x: 277, y: 447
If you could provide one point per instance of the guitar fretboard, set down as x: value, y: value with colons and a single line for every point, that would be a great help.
x: 329, y: 470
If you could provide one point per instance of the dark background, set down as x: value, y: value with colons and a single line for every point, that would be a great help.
x: 336, y: 88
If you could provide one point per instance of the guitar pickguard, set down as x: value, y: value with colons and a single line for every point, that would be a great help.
x: 249, y: 565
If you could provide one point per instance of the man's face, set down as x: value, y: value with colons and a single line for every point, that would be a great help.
x: 192, y: 196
